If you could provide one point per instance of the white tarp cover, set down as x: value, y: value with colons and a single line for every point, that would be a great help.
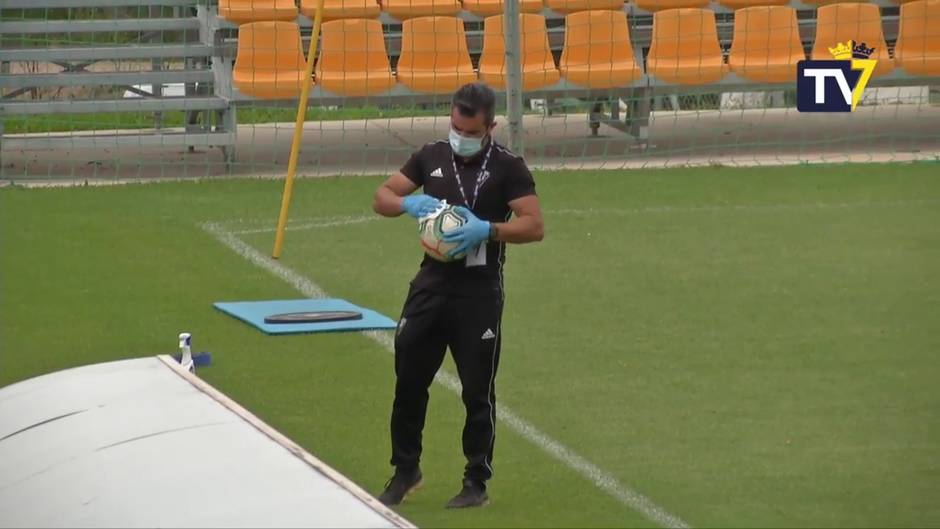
x: 135, y: 444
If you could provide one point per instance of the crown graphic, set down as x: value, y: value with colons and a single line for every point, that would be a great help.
x: 850, y: 50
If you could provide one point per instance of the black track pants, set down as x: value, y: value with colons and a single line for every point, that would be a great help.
x: 429, y: 324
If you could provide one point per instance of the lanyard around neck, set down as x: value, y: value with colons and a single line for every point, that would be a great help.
x: 481, y: 177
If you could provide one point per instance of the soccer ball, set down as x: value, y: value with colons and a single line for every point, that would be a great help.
x: 431, y: 230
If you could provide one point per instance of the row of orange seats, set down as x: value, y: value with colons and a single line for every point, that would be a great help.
x: 244, y: 11
x: 597, y: 52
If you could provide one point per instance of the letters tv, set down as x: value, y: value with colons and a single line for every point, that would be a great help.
x: 825, y: 86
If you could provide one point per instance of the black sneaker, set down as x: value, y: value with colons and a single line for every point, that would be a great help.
x: 399, y: 486
x: 472, y: 495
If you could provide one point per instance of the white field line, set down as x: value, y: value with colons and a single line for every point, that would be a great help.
x: 312, y: 223
x: 599, y: 477
x: 326, y: 222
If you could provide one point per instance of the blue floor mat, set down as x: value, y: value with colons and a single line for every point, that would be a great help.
x: 254, y: 312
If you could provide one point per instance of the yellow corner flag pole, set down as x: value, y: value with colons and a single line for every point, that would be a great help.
x: 298, y: 133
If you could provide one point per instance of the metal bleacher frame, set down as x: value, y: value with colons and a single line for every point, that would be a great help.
x: 199, y: 57
x: 209, y: 61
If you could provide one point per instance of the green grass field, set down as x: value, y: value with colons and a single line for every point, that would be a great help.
x: 745, y: 347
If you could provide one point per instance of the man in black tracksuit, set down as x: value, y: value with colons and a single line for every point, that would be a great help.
x: 457, y: 304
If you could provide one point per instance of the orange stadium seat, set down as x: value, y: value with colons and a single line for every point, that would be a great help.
x: 861, y: 23
x: 485, y: 8
x: 434, y: 57
x: 766, y: 45
x: 538, y: 65
x: 270, y: 62
x: 405, y: 9
x: 659, y: 5
x: 244, y: 11
x: 336, y: 9
x: 684, y: 47
x: 572, y: 6
x: 741, y: 4
x: 353, y: 60
x: 918, y: 46
x: 830, y: 2
x: 597, y: 51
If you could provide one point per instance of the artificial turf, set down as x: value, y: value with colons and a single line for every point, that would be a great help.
x: 746, y: 347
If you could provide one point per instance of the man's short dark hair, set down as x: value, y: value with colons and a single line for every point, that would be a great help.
x: 473, y: 98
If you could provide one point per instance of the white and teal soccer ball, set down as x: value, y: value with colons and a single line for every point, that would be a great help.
x: 431, y: 230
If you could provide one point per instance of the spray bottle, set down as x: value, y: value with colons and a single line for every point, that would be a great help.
x: 186, y: 353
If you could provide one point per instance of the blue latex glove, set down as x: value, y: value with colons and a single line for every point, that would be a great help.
x: 471, y: 234
x: 419, y: 205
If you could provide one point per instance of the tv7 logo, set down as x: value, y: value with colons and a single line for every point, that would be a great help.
x: 832, y: 86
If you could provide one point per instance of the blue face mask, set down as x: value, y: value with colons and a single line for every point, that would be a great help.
x: 463, y: 146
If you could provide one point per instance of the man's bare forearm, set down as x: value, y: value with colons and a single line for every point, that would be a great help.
x: 387, y: 203
x: 520, y: 230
